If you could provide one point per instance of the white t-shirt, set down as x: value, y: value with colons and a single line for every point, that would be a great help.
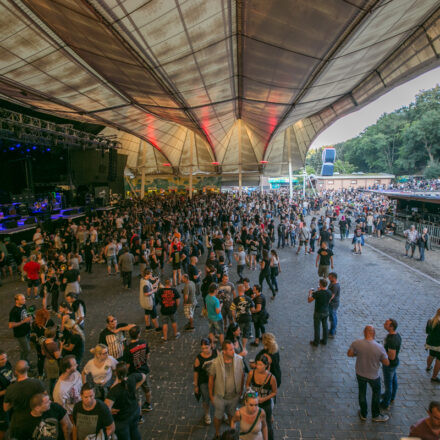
x: 38, y: 238
x: 101, y: 375
x: 68, y: 392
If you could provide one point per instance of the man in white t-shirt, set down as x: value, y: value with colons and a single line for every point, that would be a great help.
x: 67, y: 390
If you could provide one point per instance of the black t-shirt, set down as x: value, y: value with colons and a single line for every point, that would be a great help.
x: 335, y: 289
x: 78, y: 343
x: 393, y: 342
x: 325, y: 255
x: 203, y: 367
x: 136, y: 355
x: 113, y: 340
x: 91, y: 422
x: 18, y: 395
x: 193, y: 272
x: 124, y: 397
x: 45, y: 427
x: 242, y: 306
x: 260, y: 299
x: 17, y: 314
x: 167, y: 298
x: 322, y: 298
x: 325, y: 236
x: 71, y: 275
x: 6, y: 376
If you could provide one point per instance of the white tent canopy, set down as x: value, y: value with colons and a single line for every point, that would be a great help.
x: 212, y: 86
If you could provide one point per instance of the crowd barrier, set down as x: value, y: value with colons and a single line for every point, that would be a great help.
x: 403, y: 224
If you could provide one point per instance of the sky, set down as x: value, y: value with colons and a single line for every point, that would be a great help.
x: 354, y: 123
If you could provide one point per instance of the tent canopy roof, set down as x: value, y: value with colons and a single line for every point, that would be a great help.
x: 212, y: 86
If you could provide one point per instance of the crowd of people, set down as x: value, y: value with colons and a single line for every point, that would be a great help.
x: 188, y: 252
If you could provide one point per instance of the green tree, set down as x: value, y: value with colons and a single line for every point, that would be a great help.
x: 314, y: 160
x: 432, y: 171
x: 343, y: 167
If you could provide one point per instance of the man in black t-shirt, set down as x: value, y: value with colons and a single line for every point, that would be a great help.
x: 241, y: 311
x: 19, y: 394
x: 392, y: 345
x: 6, y: 378
x: 335, y: 289
x: 91, y: 415
x: 322, y: 298
x: 20, y: 323
x: 169, y: 299
x: 136, y: 355
x: 45, y: 421
x: 324, y: 259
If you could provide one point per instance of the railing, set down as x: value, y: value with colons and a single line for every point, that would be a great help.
x: 403, y: 224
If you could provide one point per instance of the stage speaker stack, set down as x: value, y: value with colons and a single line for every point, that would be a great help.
x: 328, y: 159
x: 112, y: 164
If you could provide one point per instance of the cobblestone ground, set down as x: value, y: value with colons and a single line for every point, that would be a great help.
x: 318, y: 396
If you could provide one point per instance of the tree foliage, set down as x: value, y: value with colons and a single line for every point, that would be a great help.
x: 402, y: 142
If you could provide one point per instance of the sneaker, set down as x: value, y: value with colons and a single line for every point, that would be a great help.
x: 164, y: 339
x: 189, y: 329
x: 435, y: 379
x: 149, y: 328
x: 177, y: 335
x: 141, y: 420
x: 158, y: 329
x: 331, y: 336
x: 381, y: 418
x: 314, y: 343
x: 361, y: 416
x: 146, y: 407
x: 207, y: 419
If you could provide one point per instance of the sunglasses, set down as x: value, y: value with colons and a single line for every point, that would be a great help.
x: 252, y: 394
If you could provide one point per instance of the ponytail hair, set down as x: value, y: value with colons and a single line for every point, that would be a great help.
x: 122, y: 372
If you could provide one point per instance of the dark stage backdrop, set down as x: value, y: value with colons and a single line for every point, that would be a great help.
x: 92, y: 167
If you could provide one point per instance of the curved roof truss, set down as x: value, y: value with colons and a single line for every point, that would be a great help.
x: 211, y: 86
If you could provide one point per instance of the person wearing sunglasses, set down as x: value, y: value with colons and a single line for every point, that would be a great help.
x: 264, y: 383
x: 251, y: 419
x: 99, y: 370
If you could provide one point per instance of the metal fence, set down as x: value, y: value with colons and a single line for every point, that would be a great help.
x: 403, y: 224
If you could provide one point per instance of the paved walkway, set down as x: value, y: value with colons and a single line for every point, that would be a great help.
x: 318, y: 396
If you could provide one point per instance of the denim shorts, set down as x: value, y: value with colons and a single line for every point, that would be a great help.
x: 111, y: 261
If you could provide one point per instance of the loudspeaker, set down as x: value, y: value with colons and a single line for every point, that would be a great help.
x: 11, y: 224
x: 327, y: 169
x: 112, y: 165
